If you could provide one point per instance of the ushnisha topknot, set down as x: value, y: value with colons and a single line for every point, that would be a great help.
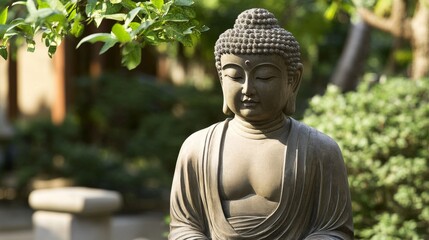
x: 256, y: 31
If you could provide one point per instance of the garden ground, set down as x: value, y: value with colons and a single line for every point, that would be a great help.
x: 15, y: 224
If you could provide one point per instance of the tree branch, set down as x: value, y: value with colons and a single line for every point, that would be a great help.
x: 373, y: 20
x: 400, y: 23
x: 397, y: 24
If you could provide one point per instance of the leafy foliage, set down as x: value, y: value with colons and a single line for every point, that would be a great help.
x: 47, y: 151
x: 151, y: 119
x: 383, y: 131
x: 136, y: 24
x: 122, y: 135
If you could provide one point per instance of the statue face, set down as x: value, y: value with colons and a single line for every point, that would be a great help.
x: 255, y: 87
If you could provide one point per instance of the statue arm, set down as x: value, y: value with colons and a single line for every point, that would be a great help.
x: 186, y: 210
x: 332, y: 212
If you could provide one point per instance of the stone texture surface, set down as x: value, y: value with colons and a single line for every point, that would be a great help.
x: 73, y: 213
x: 79, y: 200
x: 66, y: 226
x: 259, y: 174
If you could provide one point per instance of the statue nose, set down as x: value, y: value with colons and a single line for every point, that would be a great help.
x: 248, y: 87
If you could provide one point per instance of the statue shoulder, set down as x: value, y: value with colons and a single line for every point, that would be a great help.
x: 319, y: 141
x: 323, y: 151
x: 193, y: 147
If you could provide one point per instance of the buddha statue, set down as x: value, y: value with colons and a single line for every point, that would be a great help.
x: 259, y: 174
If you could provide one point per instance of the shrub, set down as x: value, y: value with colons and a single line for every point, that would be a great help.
x: 383, y: 131
x: 122, y: 134
x: 142, y: 117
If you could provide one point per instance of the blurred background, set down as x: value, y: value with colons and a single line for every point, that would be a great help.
x: 82, y: 119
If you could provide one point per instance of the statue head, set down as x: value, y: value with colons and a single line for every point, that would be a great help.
x: 256, y: 32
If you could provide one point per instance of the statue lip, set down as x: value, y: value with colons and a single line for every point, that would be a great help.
x: 246, y: 99
x: 249, y: 102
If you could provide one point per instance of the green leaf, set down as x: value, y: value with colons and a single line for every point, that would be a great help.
x: 158, y: 3
x: 149, y: 9
x: 331, y: 11
x: 77, y: 29
x: 112, y: 8
x: 189, y: 30
x: 51, y: 50
x: 152, y: 38
x: 186, y: 3
x: 134, y: 26
x: 90, y: 6
x: 45, y: 37
x: 42, y: 4
x: 42, y: 13
x: 25, y: 27
x: 96, y: 37
x: 31, y: 45
x: 19, y: 3
x: 118, y: 16
x: 176, y: 17
x: 98, y: 19
x: 54, y: 4
x: 129, y: 4
x: 121, y: 33
x: 3, y: 52
x: 187, y: 11
x: 56, y: 17
x: 3, y: 30
x: 143, y: 26
x: 166, y: 7
x: 186, y: 40
x: 31, y: 7
x: 72, y: 15
x: 131, y: 15
x: 3, y: 16
x: 107, y: 45
x: 204, y: 28
x: 131, y: 55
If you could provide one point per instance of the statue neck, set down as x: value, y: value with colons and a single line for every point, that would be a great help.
x: 261, y: 130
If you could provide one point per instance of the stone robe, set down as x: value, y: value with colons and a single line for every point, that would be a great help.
x: 315, y: 199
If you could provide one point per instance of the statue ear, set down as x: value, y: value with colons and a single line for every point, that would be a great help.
x: 296, y: 82
x: 289, y: 108
x: 225, y: 107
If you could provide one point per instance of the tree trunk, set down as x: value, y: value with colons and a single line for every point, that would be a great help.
x: 352, y: 61
x: 12, y: 92
x: 420, y: 41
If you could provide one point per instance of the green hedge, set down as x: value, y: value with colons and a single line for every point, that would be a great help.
x: 121, y: 134
x: 383, y: 131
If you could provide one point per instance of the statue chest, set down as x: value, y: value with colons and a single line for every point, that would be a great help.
x: 251, y: 168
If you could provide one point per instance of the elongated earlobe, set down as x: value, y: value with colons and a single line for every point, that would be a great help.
x: 225, y: 108
x: 289, y: 108
x: 297, y: 77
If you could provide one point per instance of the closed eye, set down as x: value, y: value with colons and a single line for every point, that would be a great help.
x: 265, y: 78
x: 234, y: 77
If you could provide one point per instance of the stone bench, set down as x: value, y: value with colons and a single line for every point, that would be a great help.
x: 73, y: 213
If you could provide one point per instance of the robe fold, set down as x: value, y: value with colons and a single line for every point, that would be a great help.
x: 314, y: 203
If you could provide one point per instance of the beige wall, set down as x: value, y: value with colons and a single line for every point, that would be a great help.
x: 3, y: 84
x: 36, y: 81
